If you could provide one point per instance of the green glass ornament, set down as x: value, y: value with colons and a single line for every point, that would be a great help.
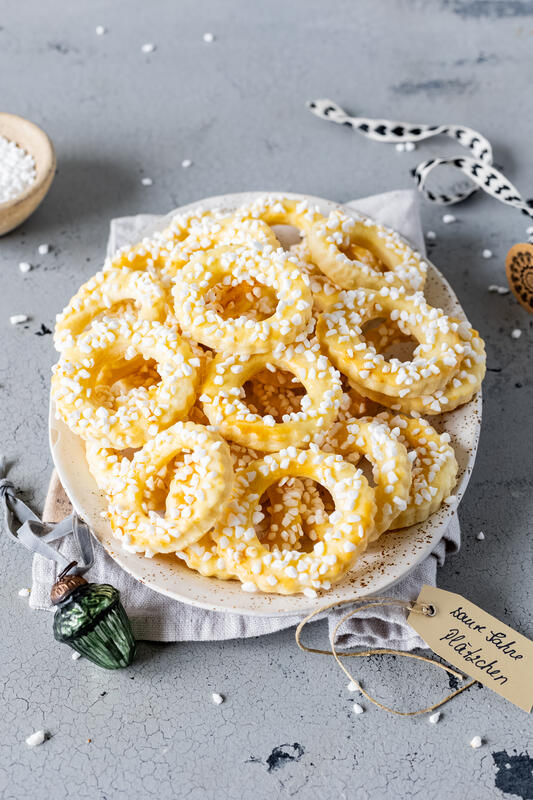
x: 91, y: 619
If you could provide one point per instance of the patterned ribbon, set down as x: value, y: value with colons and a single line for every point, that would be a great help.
x: 26, y: 528
x: 478, y: 167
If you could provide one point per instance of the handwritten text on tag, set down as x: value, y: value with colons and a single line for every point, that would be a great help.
x: 477, y: 643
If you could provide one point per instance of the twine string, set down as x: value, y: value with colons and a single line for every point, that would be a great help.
x: 409, y: 605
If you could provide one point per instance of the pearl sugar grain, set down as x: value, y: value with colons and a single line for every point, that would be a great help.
x: 18, y: 319
x: 36, y: 738
x: 493, y: 287
x: 17, y: 170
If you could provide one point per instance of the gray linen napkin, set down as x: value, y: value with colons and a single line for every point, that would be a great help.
x: 159, y: 618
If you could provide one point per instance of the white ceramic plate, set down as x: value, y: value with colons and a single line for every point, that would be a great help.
x: 384, y: 563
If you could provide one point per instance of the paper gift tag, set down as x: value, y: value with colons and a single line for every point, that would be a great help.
x: 477, y: 644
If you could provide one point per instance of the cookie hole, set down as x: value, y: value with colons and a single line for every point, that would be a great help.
x: 367, y: 469
x: 251, y: 299
x: 387, y: 339
x: 295, y: 513
x: 117, y: 309
x: 287, y: 235
x: 126, y: 375
x: 356, y: 252
x: 177, y: 473
x: 275, y: 393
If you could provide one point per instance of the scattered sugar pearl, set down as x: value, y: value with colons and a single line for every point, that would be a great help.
x: 434, y: 718
x: 499, y: 289
x: 480, y: 536
x: 18, y: 319
x: 529, y: 230
x: 353, y: 687
x: 148, y: 47
x: 186, y: 163
x: 43, y: 249
x: 357, y: 709
x: 217, y: 698
x: 24, y: 266
x: 476, y: 742
x: 448, y: 218
x: 17, y: 170
x: 487, y: 253
x: 100, y: 30
x: 431, y: 236
x: 36, y: 738
x: 208, y: 37
x: 400, y: 147
x: 409, y: 147
x: 450, y: 500
x: 75, y: 655
x: 516, y: 333
x: 147, y: 182
x: 23, y: 592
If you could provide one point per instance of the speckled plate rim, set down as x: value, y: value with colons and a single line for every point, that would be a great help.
x: 385, y: 563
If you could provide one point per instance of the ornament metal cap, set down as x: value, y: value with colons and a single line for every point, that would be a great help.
x: 65, y: 585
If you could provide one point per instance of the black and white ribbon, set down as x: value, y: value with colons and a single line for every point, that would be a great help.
x: 478, y: 167
x: 26, y: 528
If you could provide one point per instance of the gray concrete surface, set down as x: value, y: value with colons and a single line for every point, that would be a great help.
x: 236, y: 108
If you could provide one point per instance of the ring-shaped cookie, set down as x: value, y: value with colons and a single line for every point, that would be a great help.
x: 188, y: 516
x: 290, y: 571
x: 433, y: 465
x: 101, y: 293
x: 434, y: 361
x: 325, y: 292
x: 88, y: 407
x: 281, y: 210
x: 330, y: 241
x: 210, y: 230
x: 221, y: 399
x: 459, y: 390
x: 391, y: 466
x: 231, y: 266
x: 203, y: 555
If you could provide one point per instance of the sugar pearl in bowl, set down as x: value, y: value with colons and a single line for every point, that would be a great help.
x: 27, y: 168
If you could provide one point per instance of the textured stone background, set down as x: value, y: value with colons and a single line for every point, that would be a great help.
x: 236, y: 108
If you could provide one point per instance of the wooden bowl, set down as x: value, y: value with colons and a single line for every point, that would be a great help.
x: 35, y: 141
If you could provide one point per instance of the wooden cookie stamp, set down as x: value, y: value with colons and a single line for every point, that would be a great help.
x: 519, y: 269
